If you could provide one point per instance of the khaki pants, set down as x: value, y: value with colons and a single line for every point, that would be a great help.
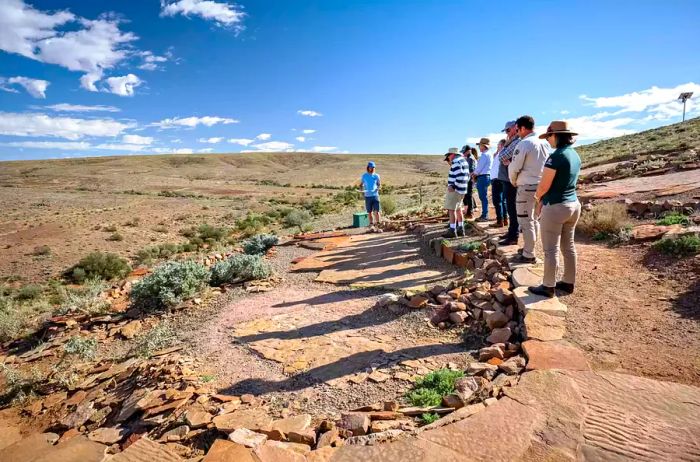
x: 557, y: 225
x: 525, y: 206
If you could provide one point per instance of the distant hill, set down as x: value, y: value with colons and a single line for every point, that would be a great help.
x: 677, y: 137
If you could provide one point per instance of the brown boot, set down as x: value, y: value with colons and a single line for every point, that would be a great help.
x: 498, y: 224
x: 505, y: 221
x: 469, y: 216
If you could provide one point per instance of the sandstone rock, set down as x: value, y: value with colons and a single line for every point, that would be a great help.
x: 297, y: 423
x: 146, y: 450
x: 81, y: 415
x: 513, y: 365
x: 481, y: 368
x: 176, y: 434
x: 453, y: 401
x: 499, y: 335
x: 468, y: 388
x: 328, y: 438
x: 197, y: 418
x: 437, y: 290
x: 273, y: 451
x: 383, y: 415
x: 107, y: 435
x: 542, y: 326
x: 458, y: 306
x: 554, y: 355
x: 356, y: 423
x: 496, y: 319
x: 493, y: 351
x: 490, y: 401
x: 247, y: 438
x: 504, y: 296
x: 455, y: 293
x: 373, y: 438
x: 379, y: 426
x: 248, y: 399
x: 306, y: 437
x: 225, y: 451
x: 130, y: 330
x: 391, y: 406
x: 378, y: 377
x: 252, y: 419
x: 30, y: 448
x: 418, y: 301
x: 457, y: 415
x: 459, y: 317
x: 652, y: 232
x: 528, y: 302
x: 523, y: 277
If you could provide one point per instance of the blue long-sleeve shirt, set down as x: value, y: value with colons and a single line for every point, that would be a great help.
x: 483, y: 164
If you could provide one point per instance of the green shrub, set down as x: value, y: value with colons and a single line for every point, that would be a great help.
x: 681, y: 246
x: 298, y: 218
x: 105, y: 266
x: 473, y: 246
x: 252, y: 224
x: 157, y: 338
x: 149, y: 254
x: 160, y: 229
x: 259, y: 244
x: 606, y: 219
x: 42, y: 250
x: 428, y: 418
x: 83, y: 347
x: 674, y: 218
x: 169, y: 284
x: 29, y: 292
x: 319, y: 207
x: 429, y: 390
x: 239, y: 268
x: 17, y: 318
x: 347, y: 197
x: 387, y: 205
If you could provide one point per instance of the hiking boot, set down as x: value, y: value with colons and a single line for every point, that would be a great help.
x: 450, y: 233
x: 565, y: 287
x: 498, y: 224
x: 507, y: 241
x: 542, y: 290
x: 482, y: 219
x: 469, y: 216
x: 523, y: 259
x: 505, y: 221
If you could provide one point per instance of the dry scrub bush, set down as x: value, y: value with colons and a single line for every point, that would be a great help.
x: 239, y: 268
x: 388, y: 205
x: 105, y: 266
x: 259, y: 244
x: 87, y: 300
x: 161, y: 336
x: 169, y: 284
x: 604, y: 220
x: 83, y: 347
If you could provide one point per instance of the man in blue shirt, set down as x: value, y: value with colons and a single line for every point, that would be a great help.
x: 370, y: 183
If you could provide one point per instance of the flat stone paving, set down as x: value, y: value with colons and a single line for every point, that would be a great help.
x: 390, y: 261
x: 662, y: 185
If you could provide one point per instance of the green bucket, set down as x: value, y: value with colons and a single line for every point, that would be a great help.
x: 360, y: 220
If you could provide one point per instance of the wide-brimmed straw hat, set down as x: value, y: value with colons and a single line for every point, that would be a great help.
x: 451, y: 151
x: 485, y: 141
x: 557, y: 126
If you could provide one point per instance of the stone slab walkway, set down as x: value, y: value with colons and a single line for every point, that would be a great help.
x: 390, y: 261
x: 663, y: 185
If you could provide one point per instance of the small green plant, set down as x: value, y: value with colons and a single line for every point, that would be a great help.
x: 674, y: 218
x: 207, y: 378
x: 41, y: 251
x: 387, y: 205
x: 259, y: 244
x: 157, y: 338
x: 19, y: 386
x: 83, y: 347
x: 87, y: 300
x: 105, y: 266
x: 473, y: 246
x: 115, y: 237
x: 298, y: 218
x: 239, y: 268
x: 429, y: 417
x: 29, y: 292
x: 252, y: 224
x: 681, y: 246
x: 429, y: 390
x: 170, y: 284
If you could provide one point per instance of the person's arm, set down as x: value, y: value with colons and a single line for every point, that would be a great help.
x: 543, y: 187
x: 516, y: 164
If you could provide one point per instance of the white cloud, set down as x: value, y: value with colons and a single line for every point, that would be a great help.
x: 120, y: 147
x: 263, y: 136
x: 241, y: 141
x: 62, y: 145
x: 223, y: 13
x: 137, y: 139
x: 645, y: 100
x: 36, y: 124
x: 124, y: 85
x: 151, y: 61
x: 308, y: 131
x: 211, y: 140
x: 172, y: 150
x: 192, y: 122
x: 21, y: 26
x: 35, y: 87
x: 324, y: 148
x: 64, y: 107
x: 301, y: 139
x: 309, y: 113
x: 273, y: 146
x: 565, y: 112
x: 206, y: 150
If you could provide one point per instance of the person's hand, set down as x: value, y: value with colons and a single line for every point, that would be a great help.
x: 506, y: 161
x: 450, y: 189
x: 538, y: 209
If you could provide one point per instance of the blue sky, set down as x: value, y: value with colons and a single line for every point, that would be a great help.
x: 384, y: 76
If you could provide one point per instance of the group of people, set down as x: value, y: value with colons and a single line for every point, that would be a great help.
x: 533, y: 189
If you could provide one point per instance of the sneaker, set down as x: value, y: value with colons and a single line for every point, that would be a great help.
x: 542, y: 290
x: 378, y: 230
x: 450, y: 233
x: 565, y: 287
x: 523, y: 259
x: 482, y: 219
x: 507, y: 241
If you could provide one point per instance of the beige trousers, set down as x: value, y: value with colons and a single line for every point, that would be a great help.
x: 557, y: 226
x: 525, y: 206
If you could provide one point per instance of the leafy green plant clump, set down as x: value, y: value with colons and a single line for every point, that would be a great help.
x: 429, y: 417
x: 29, y: 292
x: 87, y: 300
x: 239, y: 268
x: 682, y: 246
x: 170, y: 284
x: 429, y: 390
x: 259, y: 244
x: 105, y: 266
x: 473, y: 246
x: 387, y: 205
x: 161, y: 336
x: 674, y: 218
x: 83, y: 347
x: 298, y: 218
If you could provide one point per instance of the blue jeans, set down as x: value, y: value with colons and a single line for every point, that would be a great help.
x: 499, y: 198
x: 482, y: 186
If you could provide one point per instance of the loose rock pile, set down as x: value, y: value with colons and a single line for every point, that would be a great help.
x: 654, y: 209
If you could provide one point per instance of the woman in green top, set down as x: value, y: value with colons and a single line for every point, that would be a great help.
x: 558, y: 209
